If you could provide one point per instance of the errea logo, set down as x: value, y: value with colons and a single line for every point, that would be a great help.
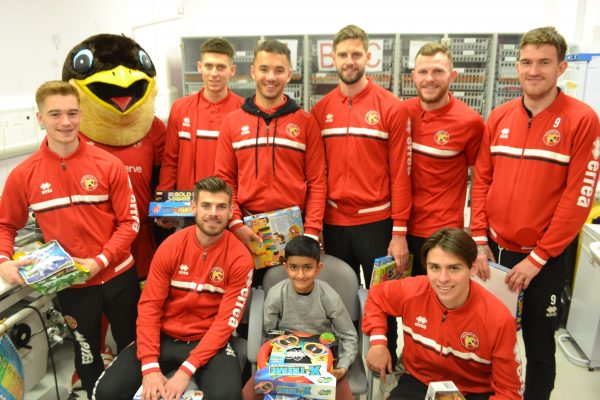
x: 245, y: 130
x: 421, y: 322
x: 186, y: 122
x: 184, y: 269
x: 504, y: 133
x: 329, y: 118
x: 46, y: 188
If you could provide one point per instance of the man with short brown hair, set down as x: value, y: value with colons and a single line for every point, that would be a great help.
x: 533, y: 187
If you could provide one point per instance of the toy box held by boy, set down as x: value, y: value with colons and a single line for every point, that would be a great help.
x: 298, y: 366
x: 171, y: 203
x: 275, y: 228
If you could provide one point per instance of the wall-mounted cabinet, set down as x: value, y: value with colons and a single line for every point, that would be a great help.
x: 485, y: 62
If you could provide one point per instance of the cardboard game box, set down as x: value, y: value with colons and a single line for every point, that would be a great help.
x: 275, y: 228
x: 443, y: 390
x: 384, y: 269
x: 171, y: 204
x: 298, y: 366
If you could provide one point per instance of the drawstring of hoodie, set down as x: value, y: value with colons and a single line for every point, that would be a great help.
x: 256, y: 148
x: 273, y: 147
x: 250, y: 107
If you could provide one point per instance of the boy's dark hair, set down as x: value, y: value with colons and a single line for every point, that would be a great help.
x: 303, y: 246
x: 218, y: 45
x: 273, y: 46
x: 454, y: 241
x: 212, y: 184
x: 52, y: 88
x: 546, y: 35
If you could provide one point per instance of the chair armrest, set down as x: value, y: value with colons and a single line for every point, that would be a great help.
x: 255, y: 324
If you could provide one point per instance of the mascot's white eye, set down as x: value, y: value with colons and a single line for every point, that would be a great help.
x: 83, y: 60
x: 145, y: 61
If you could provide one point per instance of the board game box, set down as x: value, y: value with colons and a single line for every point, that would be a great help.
x: 275, y: 228
x: 296, y: 364
x: 171, y: 204
x: 384, y: 269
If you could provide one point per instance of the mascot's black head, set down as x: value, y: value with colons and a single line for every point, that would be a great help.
x: 94, y: 64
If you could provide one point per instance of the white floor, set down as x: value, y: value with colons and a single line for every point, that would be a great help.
x: 572, y: 381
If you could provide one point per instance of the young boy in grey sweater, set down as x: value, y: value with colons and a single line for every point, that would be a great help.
x: 303, y: 303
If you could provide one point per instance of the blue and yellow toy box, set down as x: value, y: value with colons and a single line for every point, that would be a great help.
x: 297, y: 365
x: 275, y: 228
x: 171, y: 204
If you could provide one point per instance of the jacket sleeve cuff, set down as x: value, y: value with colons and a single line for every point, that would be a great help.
x: 479, y: 236
x: 538, y: 257
x: 378, y: 336
x: 150, y: 364
x: 312, y: 232
x: 235, y: 224
x: 188, y: 368
x: 399, y: 228
x: 4, y: 258
x: 101, y: 260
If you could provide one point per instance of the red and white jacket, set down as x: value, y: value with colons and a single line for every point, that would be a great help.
x: 140, y: 159
x: 191, y: 145
x: 273, y: 165
x: 475, y: 346
x: 535, y: 177
x: 445, y: 143
x: 83, y: 201
x: 367, y: 147
x: 193, y: 294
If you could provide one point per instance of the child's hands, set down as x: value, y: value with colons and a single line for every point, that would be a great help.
x: 339, y: 373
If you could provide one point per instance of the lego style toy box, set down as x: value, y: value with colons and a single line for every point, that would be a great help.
x: 275, y: 228
x: 297, y: 365
x: 171, y: 204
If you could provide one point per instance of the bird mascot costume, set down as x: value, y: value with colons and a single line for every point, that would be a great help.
x: 115, y: 78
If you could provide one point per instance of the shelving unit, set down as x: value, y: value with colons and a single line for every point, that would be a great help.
x: 485, y: 63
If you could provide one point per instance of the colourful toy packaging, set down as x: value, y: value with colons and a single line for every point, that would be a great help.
x: 171, y: 204
x: 275, y: 228
x: 296, y: 365
x: 53, y: 269
x: 384, y: 269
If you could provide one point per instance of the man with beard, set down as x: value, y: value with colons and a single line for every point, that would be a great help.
x: 270, y: 150
x: 194, y: 297
x: 367, y: 149
x: 446, y: 134
x: 534, y: 183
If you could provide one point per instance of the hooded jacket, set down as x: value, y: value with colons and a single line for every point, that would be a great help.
x: 273, y: 160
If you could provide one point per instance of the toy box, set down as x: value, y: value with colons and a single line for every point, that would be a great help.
x: 275, y: 228
x: 298, y: 366
x: 53, y: 269
x: 444, y: 390
x: 187, y: 395
x: 171, y: 204
x: 384, y: 269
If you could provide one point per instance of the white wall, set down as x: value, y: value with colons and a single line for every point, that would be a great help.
x: 36, y: 35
